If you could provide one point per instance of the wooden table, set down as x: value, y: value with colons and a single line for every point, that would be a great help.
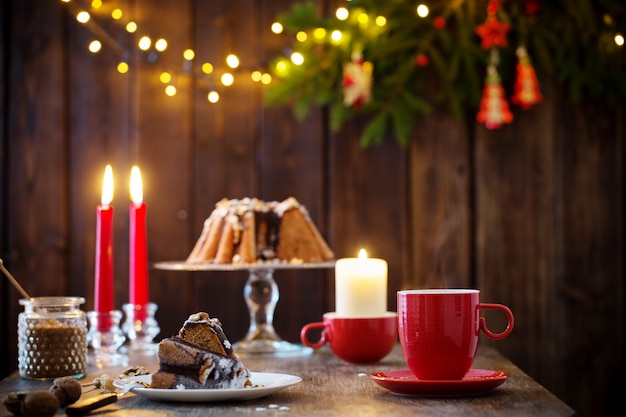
x: 330, y: 387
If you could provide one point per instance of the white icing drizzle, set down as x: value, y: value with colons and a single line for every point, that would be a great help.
x: 287, y: 204
x: 198, y: 317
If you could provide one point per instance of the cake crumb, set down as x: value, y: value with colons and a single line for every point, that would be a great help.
x: 283, y: 408
x: 361, y: 374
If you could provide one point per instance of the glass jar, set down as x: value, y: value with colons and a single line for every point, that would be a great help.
x: 52, y: 338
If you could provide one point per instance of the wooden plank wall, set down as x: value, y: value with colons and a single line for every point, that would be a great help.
x: 532, y: 214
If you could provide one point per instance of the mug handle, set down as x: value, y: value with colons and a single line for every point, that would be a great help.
x: 312, y: 326
x: 509, y: 327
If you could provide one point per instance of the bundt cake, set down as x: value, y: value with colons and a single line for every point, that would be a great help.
x: 251, y: 230
x: 199, y: 357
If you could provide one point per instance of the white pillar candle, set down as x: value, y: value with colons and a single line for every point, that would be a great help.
x: 361, y: 287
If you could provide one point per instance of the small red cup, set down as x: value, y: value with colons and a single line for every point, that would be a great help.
x: 439, y: 330
x: 355, y: 340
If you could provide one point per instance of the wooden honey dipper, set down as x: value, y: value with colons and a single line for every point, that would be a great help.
x: 14, y: 281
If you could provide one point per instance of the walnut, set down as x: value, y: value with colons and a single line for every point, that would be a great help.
x: 40, y: 404
x: 32, y: 404
x: 67, y: 390
x: 13, y: 402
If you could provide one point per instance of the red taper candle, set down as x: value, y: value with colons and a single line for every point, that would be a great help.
x: 138, y: 263
x: 103, y: 288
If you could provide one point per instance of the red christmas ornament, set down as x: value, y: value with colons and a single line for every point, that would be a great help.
x: 422, y: 60
x: 439, y: 22
x: 494, y: 109
x: 526, y: 87
x: 493, y: 32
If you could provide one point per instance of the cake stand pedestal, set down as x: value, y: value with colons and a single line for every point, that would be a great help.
x: 261, y: 295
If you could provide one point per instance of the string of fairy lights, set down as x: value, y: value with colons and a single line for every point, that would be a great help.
x: 154, y: 48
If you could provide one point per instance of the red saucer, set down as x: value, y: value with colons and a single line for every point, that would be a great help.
x: 476, y: 382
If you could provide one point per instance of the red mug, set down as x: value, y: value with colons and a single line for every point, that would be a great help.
x: 439, y: 330
x: 355, y: 340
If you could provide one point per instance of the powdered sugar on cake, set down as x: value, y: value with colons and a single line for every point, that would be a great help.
x: 252, y: 231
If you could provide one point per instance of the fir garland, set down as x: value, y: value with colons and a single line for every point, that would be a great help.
x: 425, y: 63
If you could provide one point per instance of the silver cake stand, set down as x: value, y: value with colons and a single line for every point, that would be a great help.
x: 261, y: 295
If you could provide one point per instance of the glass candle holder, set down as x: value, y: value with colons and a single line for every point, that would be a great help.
x: 105, y: 337
x: 52, y: 338
x: 141, y: 327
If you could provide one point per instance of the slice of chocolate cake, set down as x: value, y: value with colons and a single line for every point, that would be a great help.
x: 199, y: 357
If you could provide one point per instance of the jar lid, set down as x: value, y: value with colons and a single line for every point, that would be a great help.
x: 52, y: 301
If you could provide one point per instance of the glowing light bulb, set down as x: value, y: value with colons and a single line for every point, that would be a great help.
x: 256, y: 76
x: 319, y: 33
x: 227, y: 79
x: 83, y: 17
x: 281, y: 67
x: 297, y: 58
x: 131, y: 27
x: 213, y: 97
x: 170, y: 90
x: 422, y: 10
x: 336, y: 36
x: 117, y: 14
x: 95, y: 46
x: 381, y: 21
x: 165, y: 77
x: 619, y: 39
x: 342, y: 13
x: 301, y: 36
x: 160, y: 45
x: 232, y: 61
x: 144, y: 43
x: 122, y: 67
x: 96, y: 4
x: 277, y: 28
x: 189, y: 54
x: 363, y: 18
x: 207, y: 68
x: 266, y: 78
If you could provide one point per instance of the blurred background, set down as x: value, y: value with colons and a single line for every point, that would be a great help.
x: 531, y: 213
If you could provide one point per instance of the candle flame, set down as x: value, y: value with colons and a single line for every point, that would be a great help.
x: 136, y: 188
x: 107, y: 186
x: 362, y: 254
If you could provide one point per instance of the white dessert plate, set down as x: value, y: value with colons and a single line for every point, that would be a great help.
x: 263, y: 384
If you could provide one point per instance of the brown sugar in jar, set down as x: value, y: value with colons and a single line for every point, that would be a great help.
x: 52, y: 338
